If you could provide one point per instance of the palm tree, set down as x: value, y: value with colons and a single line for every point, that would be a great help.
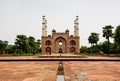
x: 107, y: 33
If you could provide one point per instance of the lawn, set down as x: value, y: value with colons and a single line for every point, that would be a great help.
x: 96, y: 54
x: 24, y: 54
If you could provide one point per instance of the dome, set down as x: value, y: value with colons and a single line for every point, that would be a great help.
x: 53, y: 30
x: 67, y: 30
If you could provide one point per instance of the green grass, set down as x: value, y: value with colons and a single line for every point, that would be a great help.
x: 29, y: 54
x: 24, y: 54
x: 109, y: 55
x: 92, y: 54
x: 86, y: 54
x: 112, y: 55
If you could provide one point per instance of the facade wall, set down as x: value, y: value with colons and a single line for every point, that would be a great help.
x: 60, y: 37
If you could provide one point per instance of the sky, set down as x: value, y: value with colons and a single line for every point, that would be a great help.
x: 25, y: 17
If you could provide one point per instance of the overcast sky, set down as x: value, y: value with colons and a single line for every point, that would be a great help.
x: 25, y: 17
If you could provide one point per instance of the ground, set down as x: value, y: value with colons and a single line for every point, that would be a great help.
x: 28, y: 71
x: 92, y: 71
x: 47, y: 70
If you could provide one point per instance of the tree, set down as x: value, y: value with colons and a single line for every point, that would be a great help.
x: 31, y: 43
x: 10, y: 49
x: 104, y: 46
x: 3, y: 44
x: 117, y: 37
x: 93, y: 38
x: 27, y: 44
x: 34, y: 45
x: 21, y: 42
x: 38, y: 44
x: 83, y: 49
x: 107, y: 33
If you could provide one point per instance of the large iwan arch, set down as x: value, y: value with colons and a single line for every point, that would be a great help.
x: 63, y: 46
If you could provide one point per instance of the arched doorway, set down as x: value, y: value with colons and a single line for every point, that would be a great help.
x: 60, y: 48
x: 48, y: 49
x: 72, y: 49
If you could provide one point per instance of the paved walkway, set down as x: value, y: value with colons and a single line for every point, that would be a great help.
x: 28, y: 71
x: 92, y: 71
x: 47, y: 70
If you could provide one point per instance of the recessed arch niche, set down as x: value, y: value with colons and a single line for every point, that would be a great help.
x: 57, y: 47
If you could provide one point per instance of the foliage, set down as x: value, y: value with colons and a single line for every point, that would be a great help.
x: 104, y: 46
x: 101, y: 47
x: 21, y: 42
x: 117, y: 35
x: 37, y: 45
x: 93, y: 38
x: 92, y: 54
x: 31, y: 44
x: 24, y: 54
x: 107, y: 33
x: 26, y: 44
x: 113, y: 55
x: 3, y: 44
x: 83, y: 49
x: 117, y: 38
x: 18, y: 51
x: 93, y: 49
x: 9, y: 47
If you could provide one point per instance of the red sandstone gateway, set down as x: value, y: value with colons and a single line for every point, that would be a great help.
x: 70, y: 43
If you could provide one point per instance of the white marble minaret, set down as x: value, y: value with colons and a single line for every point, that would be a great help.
x: 76, y: 26
x: 44, y: 27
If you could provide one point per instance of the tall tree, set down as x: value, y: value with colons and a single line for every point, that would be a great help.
x: 117, y: 37
x: 107, y: 33
x: 31, y: 43
x: 38, y: 44
x: 21, y: 42
x: 93, y: 38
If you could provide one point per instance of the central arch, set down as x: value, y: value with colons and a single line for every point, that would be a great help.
x: 72, y: 49
x: 63, y: 47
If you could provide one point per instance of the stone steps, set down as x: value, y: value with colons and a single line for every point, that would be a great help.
x: 62, y: 57
x: 58, y: 59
